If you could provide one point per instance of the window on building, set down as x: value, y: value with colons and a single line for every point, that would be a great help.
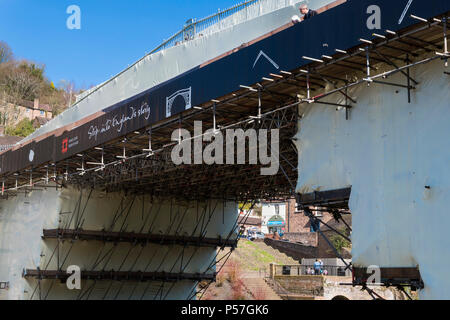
x: 318, y: 214
x: 42, y: 113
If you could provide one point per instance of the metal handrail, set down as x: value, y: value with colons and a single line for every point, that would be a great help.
x: 297, y: 270
x: 198, y: 26
x: 6, y: 147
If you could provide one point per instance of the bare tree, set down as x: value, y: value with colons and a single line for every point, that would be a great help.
x: 19, y: 84
x: 6, y: 53
x: 26, y: 80
x: 5, y: 69
x: 69, y: 92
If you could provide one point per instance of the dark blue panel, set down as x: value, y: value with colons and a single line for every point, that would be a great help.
x: 337, y: 28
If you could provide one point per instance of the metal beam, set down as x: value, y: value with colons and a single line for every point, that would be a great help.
x: 408, y: 276
x: 117, y: 237
x: 118, y: 276
x: 322, y: 198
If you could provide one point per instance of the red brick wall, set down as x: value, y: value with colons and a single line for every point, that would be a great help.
x: 298, y: 229
x: 297, y: 222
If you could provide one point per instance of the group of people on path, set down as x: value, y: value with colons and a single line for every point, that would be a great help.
x: 318, y: 269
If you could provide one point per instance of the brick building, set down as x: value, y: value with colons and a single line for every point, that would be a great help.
x: 297, y: 222
x: 250, y: 222
x: 11, y: 114
x: 298, y: 231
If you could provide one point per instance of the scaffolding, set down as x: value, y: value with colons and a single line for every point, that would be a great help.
x: 158, y: 281
x: 141, y: 159
x: 139, y: 163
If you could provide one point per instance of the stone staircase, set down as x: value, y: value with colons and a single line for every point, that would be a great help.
x: 286, y: 294
x: 260, y: 289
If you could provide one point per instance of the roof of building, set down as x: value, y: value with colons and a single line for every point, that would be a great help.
x: 8, y: 141
x: 27, y: 104
x: 40, y: 121
x: 30, y: 105
x: 45, y: 107
x: 252, y: 221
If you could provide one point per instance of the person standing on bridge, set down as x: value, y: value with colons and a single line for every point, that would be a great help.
x: 307, y: 13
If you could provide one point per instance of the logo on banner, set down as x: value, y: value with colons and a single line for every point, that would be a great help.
x: 31, y: 156
x: 186, y: 94
x: 69, y: 143
x: 65, y: 145
x: 263, y: 54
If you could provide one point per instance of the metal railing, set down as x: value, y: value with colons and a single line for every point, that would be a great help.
x: 6, y: 147
x: 288, y: 270
x: 193, y: 28
x: 337, y: 271
x: 303, y: 270
x: 190, y: 30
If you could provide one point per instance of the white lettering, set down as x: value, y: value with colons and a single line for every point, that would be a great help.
x: 374, y: 21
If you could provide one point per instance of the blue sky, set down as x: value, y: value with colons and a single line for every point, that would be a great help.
x: 113, y: 33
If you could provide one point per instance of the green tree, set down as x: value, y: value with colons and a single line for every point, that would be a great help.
x: 340, y: 242
x: 33, y: 70
x: 23, y: 129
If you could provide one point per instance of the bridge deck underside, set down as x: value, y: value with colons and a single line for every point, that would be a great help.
x: 280, y: 94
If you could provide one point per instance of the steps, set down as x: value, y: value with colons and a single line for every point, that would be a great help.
x: 285, y: 294
x: 297, y: 297
x: 260, y: 289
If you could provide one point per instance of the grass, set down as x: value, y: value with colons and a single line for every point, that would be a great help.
x: 261, y: 255
x: 252, y: 257
x: 339, y: 242
x: 256, y: 256
x: 248, y: 257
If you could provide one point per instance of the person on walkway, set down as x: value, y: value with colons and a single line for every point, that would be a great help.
x: 317, y: 268
x: 307, y: 13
